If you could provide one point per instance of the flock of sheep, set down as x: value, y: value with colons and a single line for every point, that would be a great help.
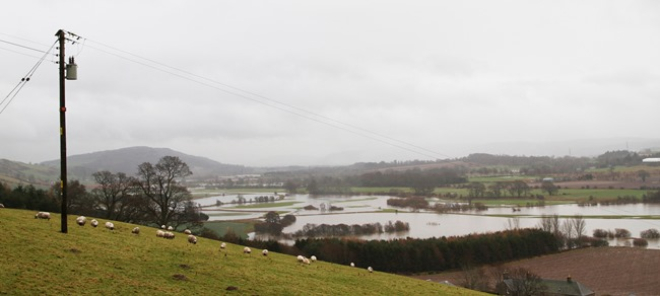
x: 82, y: 220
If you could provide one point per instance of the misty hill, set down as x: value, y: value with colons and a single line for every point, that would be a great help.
x: 127, y: 160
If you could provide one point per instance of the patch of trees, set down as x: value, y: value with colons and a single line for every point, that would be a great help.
x: 154, y: 196
x: 415, y: 202
x: 325, y: 230
x: 434, y: 254
x: 652, y: 197
x: 28, y: 197
x: 529, y: 165
x: 273, y: 224
x: 618, y: 158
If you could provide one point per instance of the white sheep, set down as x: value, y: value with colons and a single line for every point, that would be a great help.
x: 300, y: 258
x: 94, y: 223
x: 160, y: 233
x: 313, y: 258
x: 42, y: 215
x: 170, y: 228
x: 163, y: 227
x: 247, y: 250
x: 370, y: 269
x: 81, y: 220
x: 110, y: 225
x: 223, y: 246
x: 192, y: 239
x: 187, y: 231
x: 264, y: 252
x: 168, y: 235
x: 352, y: 264
x: 136, y: 230
x: 306, y: 261
x: 2, y: 206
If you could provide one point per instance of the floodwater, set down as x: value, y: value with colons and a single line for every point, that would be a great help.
x: 372, y: 209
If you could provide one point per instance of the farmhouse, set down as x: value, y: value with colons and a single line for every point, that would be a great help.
x: 567, y: 287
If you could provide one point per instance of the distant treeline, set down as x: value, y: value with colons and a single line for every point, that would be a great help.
x: 325, y: 230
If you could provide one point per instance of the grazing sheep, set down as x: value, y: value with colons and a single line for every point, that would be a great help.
x: 170, y: 228
x: 42, y: 215
x: 247, y: 250
x: 313, y: 258
x: 160, y: 233
x: 187, y: 231
x: 81, y: 220
x: 306, y: 261
x: 352, y: 264
x: 223, y: 246
x: 370, y: 269
x: 94, y: 223
x: 264, y: 252
x: 163, y: 227
x: 110, y: 225
x: 168, y: 235
x: 136, y: 230
x: 300, y: 258
x: 192, y: 239
x: 2, y: 206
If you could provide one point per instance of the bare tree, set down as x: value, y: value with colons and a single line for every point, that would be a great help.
x: 159, y: 184
x: 473, y: 278
x: 112, y: 193
x: 513, y: 223
x: 579, y: 226
x: 521, y: 282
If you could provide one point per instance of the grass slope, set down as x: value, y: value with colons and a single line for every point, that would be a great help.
x: 38, y: 259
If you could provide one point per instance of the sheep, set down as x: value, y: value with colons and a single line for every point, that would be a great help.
x: 306, y: 261
x: 264, y: 252
x: 352, y: 264
x: 313, y: 258
x: 370, y: 269
x: 136, y: 230
x: 247, y: 250
x: 168, y: 235
x: 187, y: 231
x: 163, y: 227
x: 192, y: 239
x: 110, y: 225
x: 2, y: 206
x: 160, y: 233
x: 300, y: 258
x: 223, y: 246
x: 42, y: 215
x: 170, y: 228
x: 81, y: 220
x: 94, y: 223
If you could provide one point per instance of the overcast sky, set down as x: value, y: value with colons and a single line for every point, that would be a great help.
x: 334, y: 82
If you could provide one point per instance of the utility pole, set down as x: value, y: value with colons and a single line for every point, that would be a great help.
x: 63, y: 180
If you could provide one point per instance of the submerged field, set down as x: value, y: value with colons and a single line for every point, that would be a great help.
x: 38, y: 259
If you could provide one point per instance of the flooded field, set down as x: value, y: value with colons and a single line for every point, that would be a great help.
x: 372, y: 209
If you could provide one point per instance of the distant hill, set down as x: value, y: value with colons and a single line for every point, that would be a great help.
x: 127, y: 160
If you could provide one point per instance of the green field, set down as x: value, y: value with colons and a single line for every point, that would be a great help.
x: 267, y: 205
x: 39, y: 260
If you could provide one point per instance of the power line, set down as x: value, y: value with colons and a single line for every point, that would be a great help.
x: 12, y: 94
x: 23, y: 46
x: 261, y: 99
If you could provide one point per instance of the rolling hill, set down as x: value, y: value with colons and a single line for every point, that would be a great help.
x: 38, y: 259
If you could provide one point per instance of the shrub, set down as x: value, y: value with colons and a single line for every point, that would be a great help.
x: 650, y: 233
x: 640, y: 242
x: 600, y: 233
x: 621, y: 233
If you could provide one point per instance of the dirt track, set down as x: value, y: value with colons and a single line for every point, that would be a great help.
x: 607, y: 271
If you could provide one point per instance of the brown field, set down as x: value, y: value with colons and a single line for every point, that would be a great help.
x: 607, y: 270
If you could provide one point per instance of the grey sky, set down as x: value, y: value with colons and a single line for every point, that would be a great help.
x: 449, y: 77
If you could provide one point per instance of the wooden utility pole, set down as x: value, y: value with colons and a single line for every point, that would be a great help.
x: 63, y: 180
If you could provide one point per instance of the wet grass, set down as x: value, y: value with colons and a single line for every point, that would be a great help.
x: 39, y: 260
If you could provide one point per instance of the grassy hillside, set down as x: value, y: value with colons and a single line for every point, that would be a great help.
x: 38, y: 259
